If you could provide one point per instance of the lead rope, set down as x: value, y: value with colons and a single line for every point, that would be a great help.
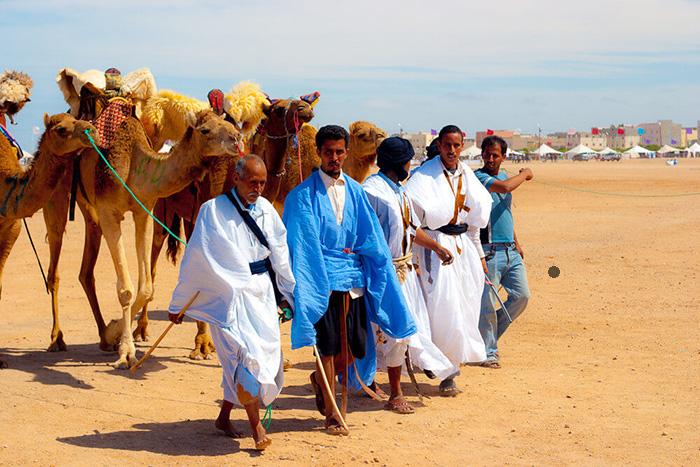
x: 121, y: 180
x: 297, y: 127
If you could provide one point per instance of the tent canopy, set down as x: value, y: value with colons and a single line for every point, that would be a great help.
x: 510, y: 152
x: 694, y: 149
x: 607, y: 150
x: 544, y: 150
x: 580, y: 149
x: 472, y: 152
x: 638, y: 150
x: 666, y: 149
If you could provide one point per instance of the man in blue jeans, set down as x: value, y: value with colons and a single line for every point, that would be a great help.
x: 502, y: 256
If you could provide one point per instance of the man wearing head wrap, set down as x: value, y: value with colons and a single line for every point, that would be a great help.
x: 452, y: 205
x: 396, y: 215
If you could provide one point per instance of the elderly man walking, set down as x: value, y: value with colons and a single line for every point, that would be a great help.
x: 238, y: 259
x: 344, y: 272
x: 452, y: 206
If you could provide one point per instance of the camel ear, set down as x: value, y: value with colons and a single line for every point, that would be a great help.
x: 47, y: 119
x: 266, y: 106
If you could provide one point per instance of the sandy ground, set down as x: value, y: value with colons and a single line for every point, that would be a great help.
x: 602, y: 368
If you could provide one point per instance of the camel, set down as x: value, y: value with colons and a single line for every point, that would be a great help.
x: 103, y: 203
x: 281, y: 116
x: 362, y: 150
x: 15, y: 88
x: 25, y: 191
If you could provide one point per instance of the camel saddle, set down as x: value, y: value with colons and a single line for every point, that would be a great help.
x: 117, y: 111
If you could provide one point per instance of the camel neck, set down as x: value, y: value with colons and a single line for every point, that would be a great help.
x: 23, y: 194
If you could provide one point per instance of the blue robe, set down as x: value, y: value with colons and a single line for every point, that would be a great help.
x: 320, y: 265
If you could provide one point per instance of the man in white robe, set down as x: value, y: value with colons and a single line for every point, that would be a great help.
x: 233, y: 270
x: 452, y: 205
x: 397, y: 217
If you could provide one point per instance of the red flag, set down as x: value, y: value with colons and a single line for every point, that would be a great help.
x: 595, y: 131
x: 620, y: 131
x: 489, y: 132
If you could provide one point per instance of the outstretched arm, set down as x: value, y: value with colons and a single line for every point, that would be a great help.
x: 507, y: 186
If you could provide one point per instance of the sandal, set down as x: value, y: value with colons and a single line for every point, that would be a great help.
x: 318, y: 393
x: 399, y: 405
x: 493, y: 364
x: 448, y: 388
x: 333, y: 427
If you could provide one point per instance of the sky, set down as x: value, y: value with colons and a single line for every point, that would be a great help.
x: 411, y: 65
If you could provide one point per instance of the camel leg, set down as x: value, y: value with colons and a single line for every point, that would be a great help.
x: 141, y: 331
x: 111, y: 229
x: 143, y: 237
x: 203, y: 345
x: 9, y: 231
x: 55, y: 217
x: 91, y: 250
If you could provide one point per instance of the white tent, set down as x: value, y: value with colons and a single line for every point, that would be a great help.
x: 666, y: 149
x: 511, y: 153
x: 636, y: 151
x: 472, y: 152
x: 694, y: 150
x: 544, y: 150
x: 607, y: 150
x: 580, y: 149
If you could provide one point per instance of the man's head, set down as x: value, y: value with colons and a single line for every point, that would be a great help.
x: 250, y: 178
x: 493, y: 152
x: 394, y: 155
x: 450, y: 144
x: 332, y: 147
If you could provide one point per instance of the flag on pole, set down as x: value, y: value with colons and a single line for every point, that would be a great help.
x: 673, y: 141
x: 620, y: 131
x: 688, y: 131
x: 433, y: 132
x: 641, y: 131
x: 595, y: 131
x: 489, y: 132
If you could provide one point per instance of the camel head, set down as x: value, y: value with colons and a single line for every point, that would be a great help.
x: 214, y: 135
x: 285, y: 115
x: 65, y: 135
x: 15, y: 88
x: 364, y: 139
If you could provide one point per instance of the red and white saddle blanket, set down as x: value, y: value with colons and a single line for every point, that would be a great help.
x: 107, y: 124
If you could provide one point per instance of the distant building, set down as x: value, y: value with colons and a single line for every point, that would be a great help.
x: 629, y: 138
x: 689, y: 135
x: 516, y: 141
x: 419, y: 141
x: 660, y: 133
x: 595, y: 142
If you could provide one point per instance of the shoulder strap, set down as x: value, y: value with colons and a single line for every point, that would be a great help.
x: 249, y: 221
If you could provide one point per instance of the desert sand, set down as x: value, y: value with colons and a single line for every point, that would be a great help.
x: 602, y: 368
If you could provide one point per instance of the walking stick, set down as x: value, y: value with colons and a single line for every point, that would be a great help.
x: 495, y: 292
x: 155, y: 344
x: 344, y: 352
x: 327, y: 387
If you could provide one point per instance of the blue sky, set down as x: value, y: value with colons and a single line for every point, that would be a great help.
x: 497, y: 64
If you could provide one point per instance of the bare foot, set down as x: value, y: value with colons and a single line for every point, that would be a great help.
x: 227, y: 427
x: 261, y: 439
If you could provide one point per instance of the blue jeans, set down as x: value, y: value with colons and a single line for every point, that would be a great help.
x: 506, y: 268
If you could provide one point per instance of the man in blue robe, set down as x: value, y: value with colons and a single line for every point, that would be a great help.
x: 344, y: 272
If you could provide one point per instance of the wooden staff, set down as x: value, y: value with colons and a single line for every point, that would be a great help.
x: 327, y: 387
x: 155, y: 344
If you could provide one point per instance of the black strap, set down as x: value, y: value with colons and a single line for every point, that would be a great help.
x: 255, y: 228
x: 453, y: 229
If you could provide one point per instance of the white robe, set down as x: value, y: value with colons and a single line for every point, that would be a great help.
x: 240, y: 305
x: 453, y: 292
x: 388, y: 205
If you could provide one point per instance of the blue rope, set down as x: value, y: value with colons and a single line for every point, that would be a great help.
x: 104, y: 159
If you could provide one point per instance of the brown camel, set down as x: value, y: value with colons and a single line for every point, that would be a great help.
x: 25, y: 191
x: 104, y: 202
x: 362, y: 151
x: 279, y: 152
